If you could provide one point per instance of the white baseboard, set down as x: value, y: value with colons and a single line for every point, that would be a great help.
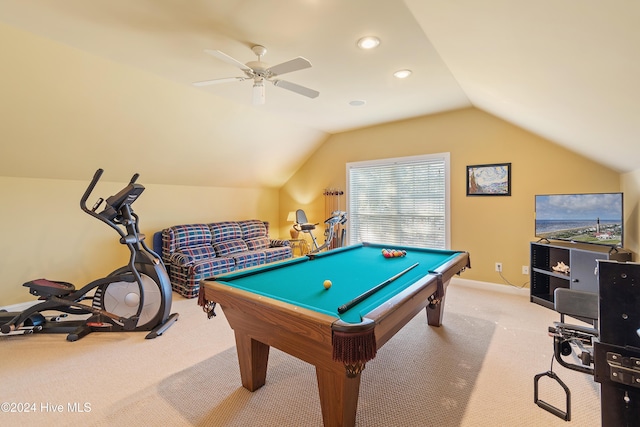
x: 19, y: 307
x: 494, y: 287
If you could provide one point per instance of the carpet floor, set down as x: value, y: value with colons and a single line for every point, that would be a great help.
x: 475, y: 370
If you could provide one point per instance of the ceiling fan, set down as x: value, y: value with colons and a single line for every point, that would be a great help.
x: 260, y: 72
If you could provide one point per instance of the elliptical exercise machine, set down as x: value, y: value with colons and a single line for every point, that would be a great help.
x: 136, y: 297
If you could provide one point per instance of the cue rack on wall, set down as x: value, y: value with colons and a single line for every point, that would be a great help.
x: 333, y: 202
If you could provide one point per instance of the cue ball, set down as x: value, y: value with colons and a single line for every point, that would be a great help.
x: 327, y: 284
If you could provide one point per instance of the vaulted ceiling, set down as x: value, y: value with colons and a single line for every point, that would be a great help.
x: 565, y: 70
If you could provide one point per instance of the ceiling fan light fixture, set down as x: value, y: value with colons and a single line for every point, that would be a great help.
x: 368, y: 42
x: 258, y: 93
x: 402, y: 74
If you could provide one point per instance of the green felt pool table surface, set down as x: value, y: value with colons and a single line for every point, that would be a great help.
x: 352, y: 270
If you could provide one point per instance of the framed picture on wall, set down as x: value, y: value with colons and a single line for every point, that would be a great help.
x: 489, y: 180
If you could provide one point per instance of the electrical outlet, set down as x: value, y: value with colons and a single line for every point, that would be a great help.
x: 525, y: 269
x: 498, y: 266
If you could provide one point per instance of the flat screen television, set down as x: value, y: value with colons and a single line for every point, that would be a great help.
x: 595, y: 218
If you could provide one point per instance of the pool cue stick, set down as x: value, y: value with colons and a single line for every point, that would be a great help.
x: 373, y: 290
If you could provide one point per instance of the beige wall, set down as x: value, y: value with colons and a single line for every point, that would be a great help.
x: 58, y: 99
x: 492, y: 229
x: 45, y: 234
x: 631, y: 189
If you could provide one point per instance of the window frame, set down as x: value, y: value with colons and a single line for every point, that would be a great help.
x: 445, y: 157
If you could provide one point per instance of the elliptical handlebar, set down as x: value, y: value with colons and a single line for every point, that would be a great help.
x: 337, y: 217
x: 89, y: 190
x: 114, y: 204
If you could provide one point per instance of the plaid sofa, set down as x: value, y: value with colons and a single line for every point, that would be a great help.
x: 195, y: 252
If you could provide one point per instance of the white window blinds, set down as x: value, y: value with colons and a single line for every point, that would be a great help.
x: 402, y: 201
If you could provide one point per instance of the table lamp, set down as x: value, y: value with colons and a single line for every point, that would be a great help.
x: 292, y: 218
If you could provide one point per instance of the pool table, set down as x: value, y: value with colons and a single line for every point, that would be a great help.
x: 285, y: 305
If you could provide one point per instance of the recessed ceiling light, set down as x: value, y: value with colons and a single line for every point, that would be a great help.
x: 368, y: 42
x: 402, y: 74
x: 357, y: 102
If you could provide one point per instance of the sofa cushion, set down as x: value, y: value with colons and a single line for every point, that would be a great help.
x: 180, y: 236
x: 230, y: 247
x: 249, y: 259
x: 192, y: 254
x: 223, y: 231
x: 257, y: 243
x: 278, y: 253
x: 253, y: 228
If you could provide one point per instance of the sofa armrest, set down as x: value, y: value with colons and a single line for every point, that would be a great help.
x: 193, y: 254
x: 278, y: 243
x: 180, y: 260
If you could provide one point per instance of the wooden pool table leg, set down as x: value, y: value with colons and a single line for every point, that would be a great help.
x: 253, y: 357
x: 338, y: 396
x: 434, y: 313
x: 435, y: 309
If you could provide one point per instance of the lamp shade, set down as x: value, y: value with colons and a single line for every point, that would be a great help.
x: 291, y: 217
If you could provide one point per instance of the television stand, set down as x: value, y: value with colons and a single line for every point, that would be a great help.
x: 575, y: 267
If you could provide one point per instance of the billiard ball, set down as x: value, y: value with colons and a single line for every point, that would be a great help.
x: 327, y: 284
x: 393, y: 253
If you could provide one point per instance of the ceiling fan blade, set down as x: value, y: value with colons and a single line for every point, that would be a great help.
x: 296, y: 88
x: 295, y: 64
x: 216, y: 81
x: 229, y: 60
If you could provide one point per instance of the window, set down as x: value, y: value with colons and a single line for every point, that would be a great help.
x: 402, y: 201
